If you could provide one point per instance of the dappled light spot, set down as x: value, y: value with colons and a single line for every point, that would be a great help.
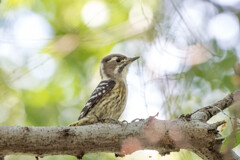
x: 31, y: 30
x: 66, y: 44
x: 224, y: 28
x: 196, y: 13
x: 140, y: 17
x: 27, y: 33
x: 177, y: 136
x: 42, y: 66
x: 95, y: 13
x: 197, y: 54
x: 152, y: 131
x: 130, y: 145
x: 188, y: 25
x: 229, y: 3
x: 164, y: 57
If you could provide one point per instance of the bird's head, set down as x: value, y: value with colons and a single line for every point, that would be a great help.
x: 115, y: 66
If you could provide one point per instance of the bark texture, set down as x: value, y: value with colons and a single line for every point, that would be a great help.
x: 190, y: 132
x: 164, y: 136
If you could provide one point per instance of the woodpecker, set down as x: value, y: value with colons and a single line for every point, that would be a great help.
x: 108, y: 100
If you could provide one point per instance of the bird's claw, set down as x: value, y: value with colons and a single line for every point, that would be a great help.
x: 137, y: 120
x: 124, y: 122
x: 113, y: 121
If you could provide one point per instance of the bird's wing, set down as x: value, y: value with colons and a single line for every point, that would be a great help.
x: 104, y: 87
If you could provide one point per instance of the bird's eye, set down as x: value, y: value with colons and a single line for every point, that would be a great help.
x: 118, y: 60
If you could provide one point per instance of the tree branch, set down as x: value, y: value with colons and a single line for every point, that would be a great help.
x: 164, y: 136
x: 204, y: 114
x: 189, y: 132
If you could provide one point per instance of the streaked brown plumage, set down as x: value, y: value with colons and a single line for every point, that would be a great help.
x: 108, y: 100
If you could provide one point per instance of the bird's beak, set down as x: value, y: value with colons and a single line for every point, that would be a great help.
x: 130, y: 60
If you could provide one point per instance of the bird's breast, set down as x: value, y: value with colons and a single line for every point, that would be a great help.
x: 115, y: 103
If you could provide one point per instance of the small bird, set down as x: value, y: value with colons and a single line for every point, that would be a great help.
x: 108, y: 100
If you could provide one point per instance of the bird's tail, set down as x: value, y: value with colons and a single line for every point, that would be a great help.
x: 85, y: 121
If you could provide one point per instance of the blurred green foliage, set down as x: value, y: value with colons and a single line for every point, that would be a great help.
x: 77, y: 50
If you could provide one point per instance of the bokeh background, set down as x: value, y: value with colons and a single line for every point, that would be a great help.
x: 50, y: 52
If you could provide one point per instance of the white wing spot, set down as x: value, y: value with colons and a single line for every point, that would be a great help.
x: 100, y: 88
x: 101, y: 84
x: 93, y: 96
x: 87, y: 104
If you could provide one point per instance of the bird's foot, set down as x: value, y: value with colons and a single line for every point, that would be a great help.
x: 137, y: 120
x: 113, y: 121
x: 124, y: 123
